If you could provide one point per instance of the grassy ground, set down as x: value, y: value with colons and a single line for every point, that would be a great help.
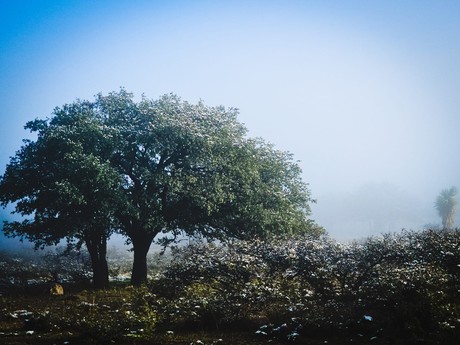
x: 43, y: 319
x: 38, y: 318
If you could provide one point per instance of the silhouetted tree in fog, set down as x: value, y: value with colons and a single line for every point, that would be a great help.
x: 446, y: 204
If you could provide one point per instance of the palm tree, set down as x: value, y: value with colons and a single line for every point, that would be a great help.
x: 446, y: 204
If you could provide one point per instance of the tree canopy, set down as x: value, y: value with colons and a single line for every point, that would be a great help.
x: 148, y: 168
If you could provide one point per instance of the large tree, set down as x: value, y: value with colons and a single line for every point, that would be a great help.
x: 170, y: 168
x: 189, y: 169
x: 64, y: 186
x: 446, y: 205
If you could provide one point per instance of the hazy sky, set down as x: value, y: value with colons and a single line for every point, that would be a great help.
x: 363, y: 93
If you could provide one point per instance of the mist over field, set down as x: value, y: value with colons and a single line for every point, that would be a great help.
x: 363, y: 94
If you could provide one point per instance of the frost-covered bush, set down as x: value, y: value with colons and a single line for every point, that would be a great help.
x: 29, y: 270
x: 211, y: 284
x: 405, y: 284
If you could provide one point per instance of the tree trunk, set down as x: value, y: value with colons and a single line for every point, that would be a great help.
x: 141, y: 245
x: 97, y: 248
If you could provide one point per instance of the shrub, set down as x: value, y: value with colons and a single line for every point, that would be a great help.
x: 404, y: 285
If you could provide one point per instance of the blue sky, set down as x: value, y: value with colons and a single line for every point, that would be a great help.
x: 363, y: 93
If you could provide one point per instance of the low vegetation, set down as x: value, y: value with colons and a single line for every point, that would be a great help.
x: 401, y: 288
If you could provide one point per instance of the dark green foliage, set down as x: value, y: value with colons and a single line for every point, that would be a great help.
x: 190, y: 170
x: 63, y: 185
